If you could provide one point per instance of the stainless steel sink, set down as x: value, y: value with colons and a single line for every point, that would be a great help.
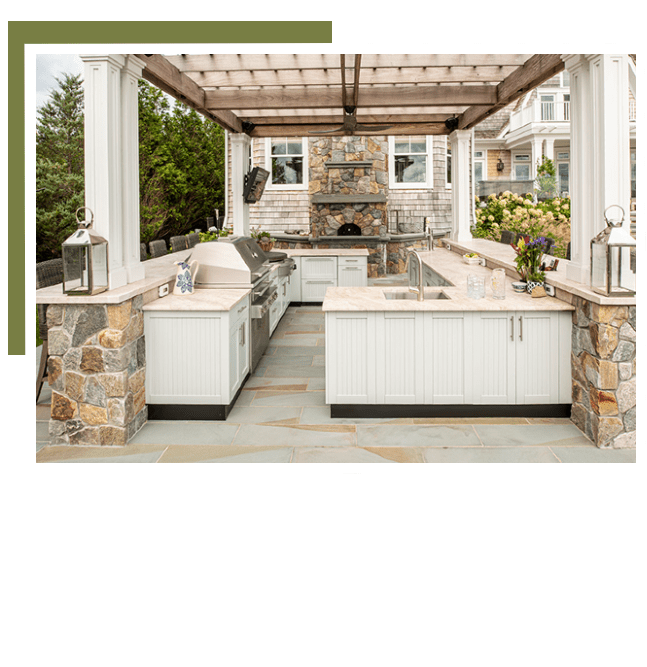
x: 413, y: 296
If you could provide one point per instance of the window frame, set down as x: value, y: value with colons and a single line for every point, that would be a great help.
x: 517, y: 161
x: 425, y: 185
x: 268, y: 164
x: 482, y: 161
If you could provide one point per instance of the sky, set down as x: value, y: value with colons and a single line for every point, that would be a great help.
x: 50, y: 66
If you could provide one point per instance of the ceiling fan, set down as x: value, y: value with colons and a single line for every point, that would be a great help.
x: 350, y: 124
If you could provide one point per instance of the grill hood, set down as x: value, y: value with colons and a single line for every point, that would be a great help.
x: 236, y: 262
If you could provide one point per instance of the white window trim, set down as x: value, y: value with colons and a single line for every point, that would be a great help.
x: 516, y: 161
x: 429, y: 184
x: 483, y: 161
x: 268, y: 165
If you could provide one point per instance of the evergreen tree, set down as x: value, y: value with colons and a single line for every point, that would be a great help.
x: 181, y: 166
x: 59, y: 166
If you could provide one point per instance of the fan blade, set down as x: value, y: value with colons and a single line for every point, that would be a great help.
x: 368, y: 128
x: 337, y: 129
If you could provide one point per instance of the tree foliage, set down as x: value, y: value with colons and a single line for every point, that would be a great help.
x: 181, y: 166
x: 59, y: 166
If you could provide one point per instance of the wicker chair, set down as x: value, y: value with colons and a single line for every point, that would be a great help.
x: 48, y: 273
x: 143, y: 255
x: 158, y: 248
x: 507, y: 236
x: 194, y: 239
x: 179, y: 243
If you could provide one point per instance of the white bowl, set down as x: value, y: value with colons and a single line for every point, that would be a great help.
x: 471, y: 260
x: 519, y: 287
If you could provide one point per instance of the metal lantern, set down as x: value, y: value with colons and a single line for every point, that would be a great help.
x: 613, y: 259
x: 85, y: 260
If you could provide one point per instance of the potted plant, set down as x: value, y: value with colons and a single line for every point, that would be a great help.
x: 264, y: 239
x: 528, y: 260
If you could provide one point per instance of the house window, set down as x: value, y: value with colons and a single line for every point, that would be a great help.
x: 633, y: 174
x: 547, y: 107
x: 479, y: 165
x: 410, y: 162
x: 562, y: 178
x: 287, y: 162
x: 521, y: 164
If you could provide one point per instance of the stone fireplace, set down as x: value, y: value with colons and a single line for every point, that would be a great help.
x: 348, y: 189
x: 348, y: 185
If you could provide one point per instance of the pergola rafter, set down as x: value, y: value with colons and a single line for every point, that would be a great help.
x: 268, y: 95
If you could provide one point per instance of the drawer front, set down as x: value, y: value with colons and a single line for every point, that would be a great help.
x: 352, y: 276
x: 319, y: 267
x: 352, y: 261
x: 315, y: 290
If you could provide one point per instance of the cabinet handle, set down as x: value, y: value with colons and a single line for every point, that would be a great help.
x: 319, y: 282
x: 512, y: 327
x: 349, y: 261
x: 240, y: 310
x: 283, y: 289
x: 520, y: 327
x: 352, y: 268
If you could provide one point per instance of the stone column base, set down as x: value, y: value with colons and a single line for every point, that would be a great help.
x: 603, y: 364
x: 96, y: 372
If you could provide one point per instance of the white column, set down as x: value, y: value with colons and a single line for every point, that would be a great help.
x: 581, y: 169
x: 240, y: 144
x: 599, y: 149
x: 610, y: 88
x: 461, y: 197
x: 130, y: 76
x: 537, y: 143
x: 103, y: 183
x: 550, y: 148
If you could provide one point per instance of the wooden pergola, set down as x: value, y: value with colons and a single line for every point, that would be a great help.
x: 269, y: 95
x: 295, y: 95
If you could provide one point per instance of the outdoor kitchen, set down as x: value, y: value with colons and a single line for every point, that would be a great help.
x: 179, y: 337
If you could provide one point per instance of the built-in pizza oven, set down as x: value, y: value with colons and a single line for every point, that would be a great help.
x: 349, y: 229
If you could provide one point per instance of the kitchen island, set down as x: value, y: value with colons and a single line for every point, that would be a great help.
x: 447, y: 355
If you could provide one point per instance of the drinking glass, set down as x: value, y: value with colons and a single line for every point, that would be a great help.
x: 497, y: 283
x: 475, y: 287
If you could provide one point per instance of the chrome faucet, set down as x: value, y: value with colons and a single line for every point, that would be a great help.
x: 419, y: 288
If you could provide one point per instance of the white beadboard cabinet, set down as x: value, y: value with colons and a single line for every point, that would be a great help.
x: 317, y: 275
x: 352, y: 271
x: 196, y: 357
x: 448, y: 358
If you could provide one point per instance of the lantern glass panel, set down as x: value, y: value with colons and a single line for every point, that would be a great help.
x: 599, y: 266
x: 99, y: 267
x: 75, y: 269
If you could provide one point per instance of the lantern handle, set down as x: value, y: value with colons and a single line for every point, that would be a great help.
x: 85, y: 223
x: 609, y: 222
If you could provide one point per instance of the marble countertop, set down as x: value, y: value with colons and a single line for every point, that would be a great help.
x: 200, y: 300
x: 157, y: 271
x: 452, y: 268
x: 502, y: 255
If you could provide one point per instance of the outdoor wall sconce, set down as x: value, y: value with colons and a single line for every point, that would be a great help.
x: 613, y: 259
x: 499, y: 165
x: 85, y: 260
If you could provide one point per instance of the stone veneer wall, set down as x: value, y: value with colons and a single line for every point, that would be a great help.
x: 603, y: 366
x: 96, y: 372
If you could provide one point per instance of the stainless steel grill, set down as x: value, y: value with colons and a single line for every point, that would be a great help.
x: 239, y: 263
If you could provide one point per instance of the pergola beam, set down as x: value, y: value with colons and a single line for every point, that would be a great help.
x: 402, y: 96
x: 531, y: 74
x: 168, y: 78
x: 303, y: 130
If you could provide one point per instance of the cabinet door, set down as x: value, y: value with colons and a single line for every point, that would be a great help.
x: 537, y: 357
x: 445, y: 358
x: 351, y: 276
x: 399, y: 369
x: 315, y: 290
x: 350, y: 357
x: 186, y: 355
x: 492, y: 369
x: 243, y: 349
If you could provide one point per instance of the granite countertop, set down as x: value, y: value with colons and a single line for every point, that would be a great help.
x: 451, y: 267
x: 200, y: 300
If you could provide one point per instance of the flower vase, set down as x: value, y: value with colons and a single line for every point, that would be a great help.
x: 266, y: 246
x: 533, y: 284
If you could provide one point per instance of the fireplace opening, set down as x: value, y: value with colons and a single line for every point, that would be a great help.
x: 349, y: 229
